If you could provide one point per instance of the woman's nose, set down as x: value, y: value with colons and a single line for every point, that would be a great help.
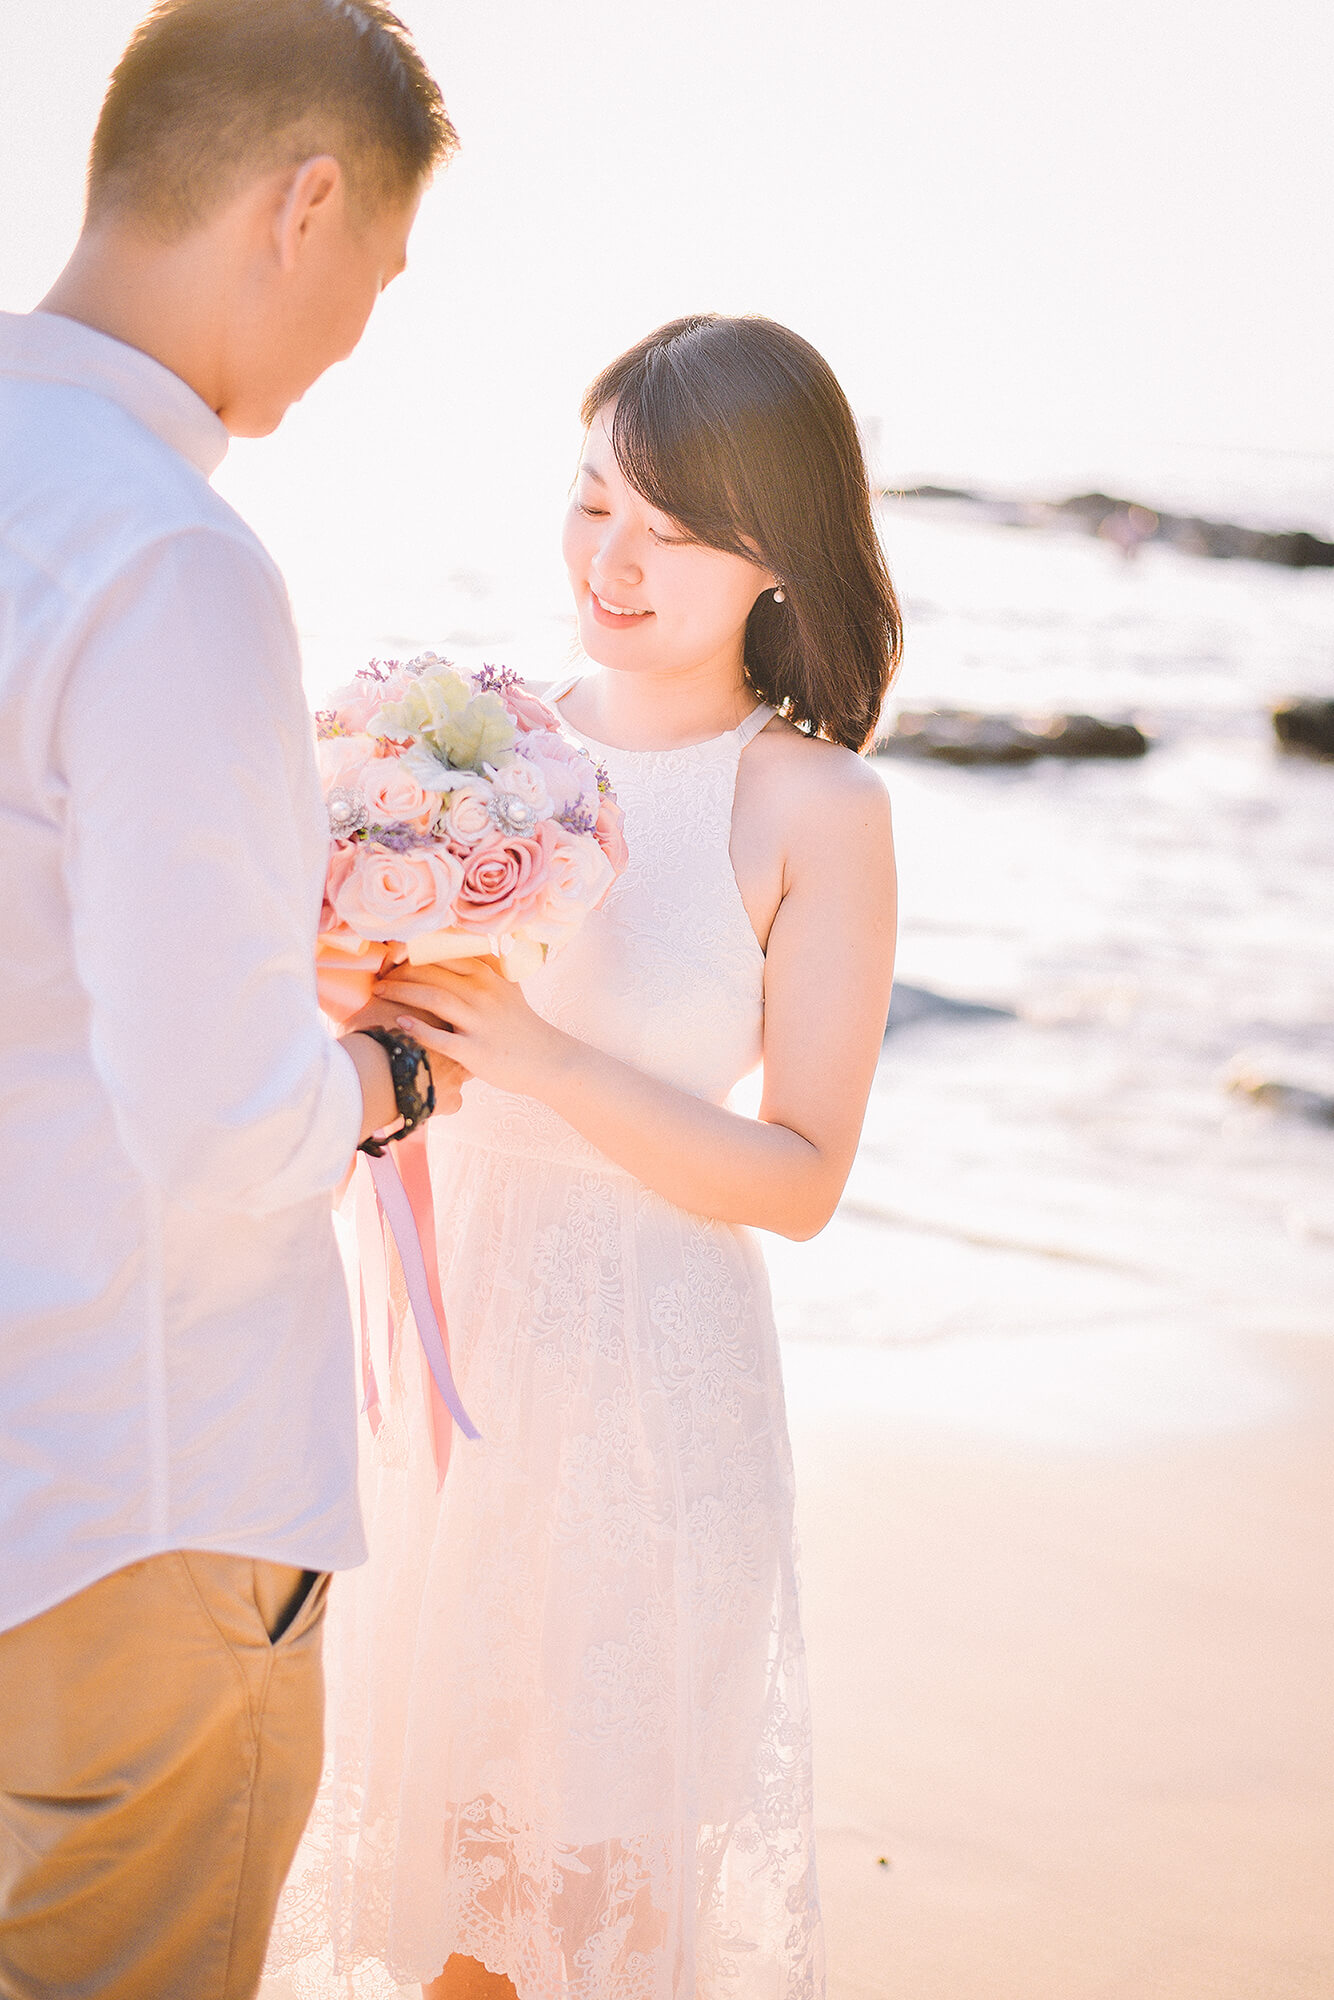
x: 616, y: 558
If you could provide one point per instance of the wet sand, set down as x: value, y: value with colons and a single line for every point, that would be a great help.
x: 1075, y: 1683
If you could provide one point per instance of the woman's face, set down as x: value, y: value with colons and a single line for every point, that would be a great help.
x: 649, y: 599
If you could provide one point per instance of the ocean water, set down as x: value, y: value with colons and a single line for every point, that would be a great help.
x: 1063, y: 1223
x: 1062, y: 1226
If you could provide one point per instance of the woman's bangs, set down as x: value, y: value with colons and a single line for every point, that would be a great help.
x: 669, y: 452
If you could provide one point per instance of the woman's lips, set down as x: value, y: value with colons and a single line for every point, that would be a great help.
x: 622, y: 619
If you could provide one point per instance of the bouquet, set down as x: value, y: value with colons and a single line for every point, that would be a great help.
x: 463, y: 823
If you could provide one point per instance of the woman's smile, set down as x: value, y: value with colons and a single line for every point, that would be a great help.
x: 608, y: 613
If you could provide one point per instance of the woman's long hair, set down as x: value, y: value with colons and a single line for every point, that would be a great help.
x: 738, y: 430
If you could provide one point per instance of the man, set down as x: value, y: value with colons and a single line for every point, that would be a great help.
x: 176, y: 1381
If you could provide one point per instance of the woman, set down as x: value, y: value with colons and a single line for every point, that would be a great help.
x: 570, y: 1726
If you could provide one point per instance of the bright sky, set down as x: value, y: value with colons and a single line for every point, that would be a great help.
x: 1029, y: 232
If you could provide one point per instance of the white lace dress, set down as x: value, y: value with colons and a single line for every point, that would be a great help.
x: 568, y: 1725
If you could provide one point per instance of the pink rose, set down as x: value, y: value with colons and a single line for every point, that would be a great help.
x: 579, y: 877
x: 343, y: 759
x: 566, y: 771
x: 610, y: 832
x: 528, y: 711
x: 346, y: 964
x: 393, y: 796
x: 395, y: 896
x: 505, y: 882
x: 342, y: 860
x: 356, y: 704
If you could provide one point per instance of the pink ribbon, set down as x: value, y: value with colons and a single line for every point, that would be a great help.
x: 403, y: 1202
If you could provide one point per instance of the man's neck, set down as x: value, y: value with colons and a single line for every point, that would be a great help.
x: 147, y: 294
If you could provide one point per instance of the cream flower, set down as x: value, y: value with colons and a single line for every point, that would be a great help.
x: 464, y: 730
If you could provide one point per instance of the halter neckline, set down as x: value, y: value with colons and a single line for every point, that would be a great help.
x: 745, y: 732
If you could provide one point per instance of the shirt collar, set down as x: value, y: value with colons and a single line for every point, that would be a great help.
x: 47, y: 347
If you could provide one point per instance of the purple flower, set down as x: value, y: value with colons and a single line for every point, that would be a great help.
x: 398, y: 839
x: 494, y: 680
x: 378, y: 670
x: 577, y: 819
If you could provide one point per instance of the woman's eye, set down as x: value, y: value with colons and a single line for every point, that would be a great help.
x: 669, y: 541
x: 593, y: 513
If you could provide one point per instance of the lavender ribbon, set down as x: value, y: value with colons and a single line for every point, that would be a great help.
x: 398, y: 1212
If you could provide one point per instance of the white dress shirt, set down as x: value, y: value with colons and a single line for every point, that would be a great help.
x: 176, y: 1365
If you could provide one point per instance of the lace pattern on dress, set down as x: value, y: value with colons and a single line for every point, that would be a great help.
x: 568, y: 1726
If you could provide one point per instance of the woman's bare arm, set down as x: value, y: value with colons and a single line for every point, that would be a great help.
x: 829, y: 967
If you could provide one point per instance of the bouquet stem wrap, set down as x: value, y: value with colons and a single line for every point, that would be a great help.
x: 401, y: 1203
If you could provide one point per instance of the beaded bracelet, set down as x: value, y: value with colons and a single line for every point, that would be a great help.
x: 407, y: 1058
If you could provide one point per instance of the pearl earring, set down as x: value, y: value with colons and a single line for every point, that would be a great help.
x: 780, y: 595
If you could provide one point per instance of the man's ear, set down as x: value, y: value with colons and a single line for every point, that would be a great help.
x: 313, y: 192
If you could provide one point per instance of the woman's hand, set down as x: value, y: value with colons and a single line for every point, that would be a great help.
x: 829, y: 958
x: 495, y: 1033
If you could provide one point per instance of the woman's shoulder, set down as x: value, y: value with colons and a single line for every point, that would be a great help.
x: 816, y: 771
x: 803, y: 800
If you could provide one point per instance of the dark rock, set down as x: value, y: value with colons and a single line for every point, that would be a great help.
x: 1246, y: 1080
x: 1087, y: 736
x: 1306, y: 727
x: 910, y: 1004
x: 961, y: 736
x: 1128, y: 525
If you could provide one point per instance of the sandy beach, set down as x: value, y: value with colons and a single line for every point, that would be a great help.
x: 1060, y: 1376
x: 1072, y: 1701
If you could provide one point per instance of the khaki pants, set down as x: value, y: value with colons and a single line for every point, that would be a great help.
x: 160, y: 1745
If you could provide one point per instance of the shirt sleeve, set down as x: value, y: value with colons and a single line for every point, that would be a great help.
x: 191, y: 865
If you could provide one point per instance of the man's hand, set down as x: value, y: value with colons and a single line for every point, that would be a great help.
x: 447, y: 1075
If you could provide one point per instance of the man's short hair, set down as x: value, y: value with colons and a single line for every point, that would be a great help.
x: 212, y: 94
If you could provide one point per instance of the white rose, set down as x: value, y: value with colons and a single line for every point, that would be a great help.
x: 524, y: 781
x: 466, y: 815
